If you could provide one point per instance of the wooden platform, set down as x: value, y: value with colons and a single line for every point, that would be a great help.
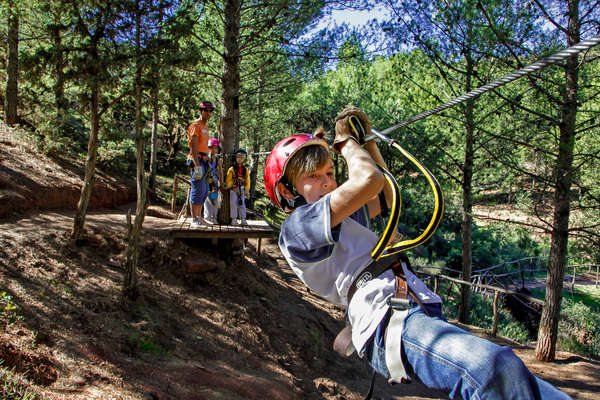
x: 181, y: 229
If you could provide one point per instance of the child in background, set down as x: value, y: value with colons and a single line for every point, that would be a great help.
x: 238, y: 180
x: 214, y: 179
x: 395, y: 321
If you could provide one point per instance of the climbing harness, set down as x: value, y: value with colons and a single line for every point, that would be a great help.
x: 384, y: 247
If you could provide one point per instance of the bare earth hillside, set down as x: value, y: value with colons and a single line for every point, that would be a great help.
x: 248, y: 330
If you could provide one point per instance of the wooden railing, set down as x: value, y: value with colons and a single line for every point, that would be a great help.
x: 174, y: 193
x: 495, y: 289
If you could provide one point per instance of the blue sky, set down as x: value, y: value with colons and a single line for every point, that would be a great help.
x: 353, y: 17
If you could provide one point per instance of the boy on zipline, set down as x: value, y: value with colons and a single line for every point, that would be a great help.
x: 395, y: 321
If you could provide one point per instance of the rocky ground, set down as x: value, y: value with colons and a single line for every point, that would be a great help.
x: 246, y: 330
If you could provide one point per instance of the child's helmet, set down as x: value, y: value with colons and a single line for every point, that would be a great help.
x: 214, y: 142
x: 242, y: 151
x: 277, y: 161
x: 207, y: 105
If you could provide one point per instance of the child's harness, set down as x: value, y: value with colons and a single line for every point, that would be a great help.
x: 400, y: 301
x: 399, y: 264
x: 240, y: 176
x: 239, y: 181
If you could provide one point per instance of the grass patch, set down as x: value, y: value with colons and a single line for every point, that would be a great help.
x: 13, y: 386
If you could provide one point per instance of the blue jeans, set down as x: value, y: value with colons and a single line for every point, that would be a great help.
x: 199, y: 187
x: 448, y: 358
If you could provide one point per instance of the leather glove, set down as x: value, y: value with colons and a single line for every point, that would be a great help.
x: 351, y: 123
x: 198, y: 173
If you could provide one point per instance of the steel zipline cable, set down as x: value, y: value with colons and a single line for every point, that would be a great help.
x: 536, y: 66
x: 385, y: 246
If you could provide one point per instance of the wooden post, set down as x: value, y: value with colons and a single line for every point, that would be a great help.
x: 495, y: 327
x: 174, y: 194
x: 597, y: 270
x: 258, y: 247
x: 573, y: 281
x: 435, y: 284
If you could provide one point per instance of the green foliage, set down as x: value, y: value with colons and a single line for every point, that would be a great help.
x: 12, y: 387
x: 481, y: 313
x: 145, y: 344
x: 579, y: 328
x: 55, y: 135
x: 491, y: 245
x: 9, y: 309
x: 117, y: 154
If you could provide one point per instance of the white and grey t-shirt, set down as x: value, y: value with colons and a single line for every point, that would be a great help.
x: 328, y: 260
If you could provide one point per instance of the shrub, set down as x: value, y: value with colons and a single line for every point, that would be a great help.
x: 579, y: 329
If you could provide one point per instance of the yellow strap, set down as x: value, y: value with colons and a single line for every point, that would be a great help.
x: 382, y: 248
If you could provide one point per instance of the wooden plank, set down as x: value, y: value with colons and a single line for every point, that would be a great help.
x: 191, y: 234
x: 254, y: 229
x: 182, y: 229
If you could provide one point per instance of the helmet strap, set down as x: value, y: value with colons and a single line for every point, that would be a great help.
x: 297, y: 201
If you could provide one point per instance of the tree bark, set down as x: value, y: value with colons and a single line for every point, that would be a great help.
x: 59, y: 76
x: 154, y: 135
x: 467, y: 208
x: 230, y: 92
x: 90, y: 166
x: 12, y: 68
x: 256, y: 142
x: 133, y: 247
x: 563, y: 175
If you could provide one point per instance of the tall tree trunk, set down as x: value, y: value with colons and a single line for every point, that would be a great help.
x: 563, y: 173
x: 256, y: 142
x: 154, y: 135
x: 467, y: 208
x: 90, y: 166
x: 230, y: 92
x: 133, y: 246
x: 59, y: 76
x: 12, y: 68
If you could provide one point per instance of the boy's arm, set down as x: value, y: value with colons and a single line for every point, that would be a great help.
x: 364, y: 182
x: 194, y: 149
x: 229, y: 178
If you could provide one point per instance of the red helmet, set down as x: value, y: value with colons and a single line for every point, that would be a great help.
x: 207, y: 105
x: 214, y: 142
x: 277, y: 160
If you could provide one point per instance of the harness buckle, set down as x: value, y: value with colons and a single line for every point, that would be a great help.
x: 398, y: 303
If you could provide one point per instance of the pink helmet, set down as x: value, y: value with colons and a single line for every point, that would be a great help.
x: 277, y: 161
x: 214, y: 142
x: 207, y: 105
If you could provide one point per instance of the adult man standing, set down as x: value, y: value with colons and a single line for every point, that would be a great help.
x: 198, y: 134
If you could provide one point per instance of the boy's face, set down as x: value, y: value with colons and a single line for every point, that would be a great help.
x: 314, y: 185
x: 214, y: 149
x: 240, y: 158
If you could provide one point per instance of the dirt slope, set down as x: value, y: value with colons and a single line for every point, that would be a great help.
x: 30, y: 181
x: 248, y: 330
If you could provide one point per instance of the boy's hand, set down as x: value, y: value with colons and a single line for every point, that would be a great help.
x: 351, y: 123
